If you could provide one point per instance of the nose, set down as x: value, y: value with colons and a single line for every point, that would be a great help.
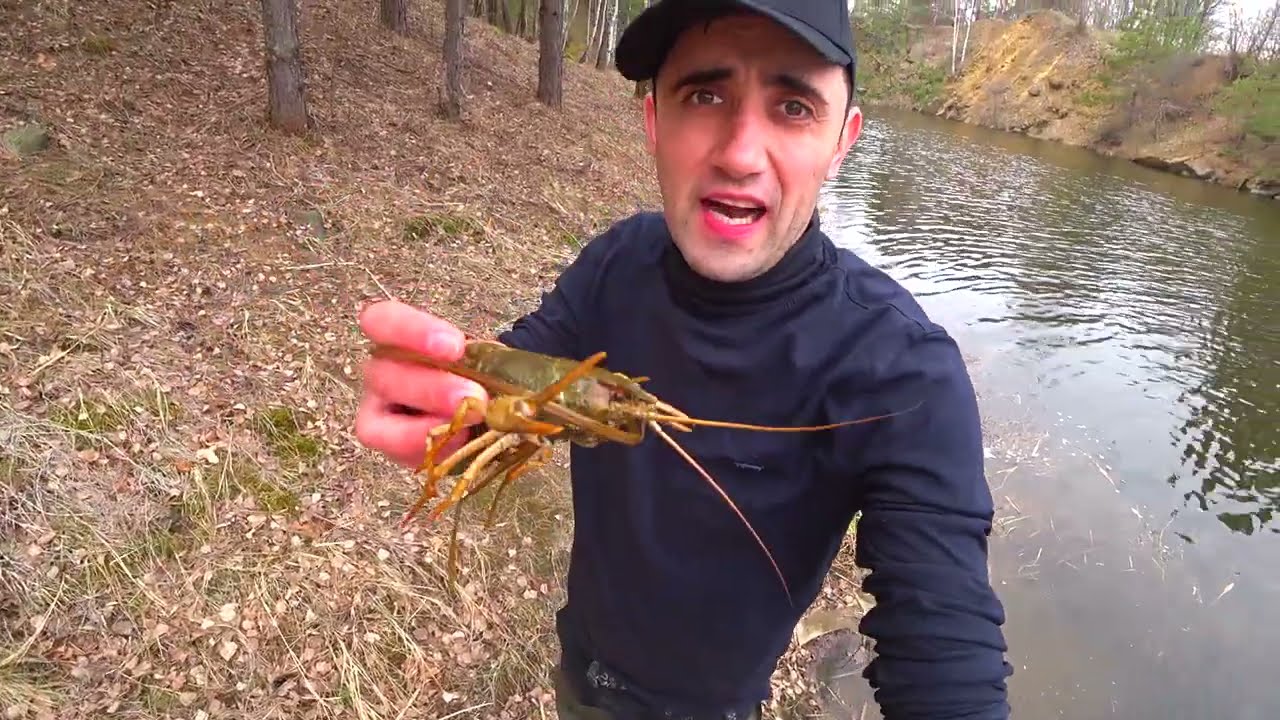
x: 742, y: 150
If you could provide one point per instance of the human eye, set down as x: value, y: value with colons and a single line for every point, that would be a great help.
x: 796, y: 109
x: 702, y: 96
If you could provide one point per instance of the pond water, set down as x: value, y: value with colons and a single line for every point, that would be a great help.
x: 1123, y: 330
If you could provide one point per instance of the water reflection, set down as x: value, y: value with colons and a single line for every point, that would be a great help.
x: 1126, y: 293
x: 1125, y: 324
x: 1235, y: 410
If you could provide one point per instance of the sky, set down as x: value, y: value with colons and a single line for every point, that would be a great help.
x: 1249, y: 8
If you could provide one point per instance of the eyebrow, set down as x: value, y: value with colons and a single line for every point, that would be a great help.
x: 797, y: 84
x: 701, y: 77
x: 788, y: 80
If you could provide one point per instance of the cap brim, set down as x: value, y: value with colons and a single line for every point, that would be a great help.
x: 646, y: 40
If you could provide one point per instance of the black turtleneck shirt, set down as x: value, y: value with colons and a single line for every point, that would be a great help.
x: 672, y: 604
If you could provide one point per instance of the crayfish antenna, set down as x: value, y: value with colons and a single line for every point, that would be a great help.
x: 778, y: 571
x: 775, y: 428
x: 675, y: 416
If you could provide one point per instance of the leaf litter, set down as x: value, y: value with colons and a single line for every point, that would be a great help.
x: 188, y: 526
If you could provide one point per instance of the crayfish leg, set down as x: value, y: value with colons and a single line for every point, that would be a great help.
x: 497, y: 446
x: 528, y: 458
x: 507, y: 462
x: 435, y: 472
x: 440, y: 436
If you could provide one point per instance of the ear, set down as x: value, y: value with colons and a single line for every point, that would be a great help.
x: 650, y: 122
x: 852, y: 130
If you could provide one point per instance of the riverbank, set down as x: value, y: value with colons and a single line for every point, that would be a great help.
x: 1044, y: 76
x: 187, y: 524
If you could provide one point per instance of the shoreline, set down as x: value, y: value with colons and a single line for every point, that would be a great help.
x: 1041, y: 76
x: 1183, y: 165
x: 1206, y: 166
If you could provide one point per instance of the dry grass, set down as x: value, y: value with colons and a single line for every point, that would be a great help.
x: 174, y: 545
x: 187, y: 524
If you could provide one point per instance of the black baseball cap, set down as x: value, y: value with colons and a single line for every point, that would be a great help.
x: 644, y: 44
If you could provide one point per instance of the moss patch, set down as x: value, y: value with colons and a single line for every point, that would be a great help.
x: 424, y: 227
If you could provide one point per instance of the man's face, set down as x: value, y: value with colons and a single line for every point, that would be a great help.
x: 745, y: 128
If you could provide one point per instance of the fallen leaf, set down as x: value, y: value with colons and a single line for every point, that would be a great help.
x: 228, y: 649
x: 820, y: 622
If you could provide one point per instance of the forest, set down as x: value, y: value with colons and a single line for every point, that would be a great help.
x: 918, y: 53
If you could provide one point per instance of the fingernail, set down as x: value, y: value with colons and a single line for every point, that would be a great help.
x: 470, y: 389
x: 443, y: 345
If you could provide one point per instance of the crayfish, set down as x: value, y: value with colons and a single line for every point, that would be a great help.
x: 536, y: 399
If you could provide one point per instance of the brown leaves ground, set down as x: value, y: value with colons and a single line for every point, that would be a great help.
x: 187, y: 525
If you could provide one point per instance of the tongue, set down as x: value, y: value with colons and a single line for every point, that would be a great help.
x: 733, y: 211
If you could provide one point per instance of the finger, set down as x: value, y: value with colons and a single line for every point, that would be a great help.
x: 431, y: 391
x: 391, y: 322
x: 402, y: 438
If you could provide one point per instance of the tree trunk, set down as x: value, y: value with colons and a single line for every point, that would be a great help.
x: 286, y: 84
x: 590, y: 18
x: 569, y: 15
x: 454, y: 17
x: 955, y: 33
x: 606, y: 36
x: 642, y: 87
x: 551, y: 52
x: 504, y: 16
x: 594, y: 21
x: 394, y: 15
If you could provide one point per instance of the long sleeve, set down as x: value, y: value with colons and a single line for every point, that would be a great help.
x: 556, y: 326
x: 926, y: 518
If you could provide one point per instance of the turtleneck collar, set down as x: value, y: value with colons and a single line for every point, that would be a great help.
x: 796, y: 268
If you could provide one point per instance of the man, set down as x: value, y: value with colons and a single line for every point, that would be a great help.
x: 739, y: 308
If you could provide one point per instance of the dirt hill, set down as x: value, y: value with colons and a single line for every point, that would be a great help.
x: 1043, y: 76
x: 187, y: 524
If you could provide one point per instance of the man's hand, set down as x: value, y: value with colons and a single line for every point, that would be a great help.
x: 403, y: 401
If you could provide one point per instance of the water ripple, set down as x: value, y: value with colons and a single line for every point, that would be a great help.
x: 1150, y: 300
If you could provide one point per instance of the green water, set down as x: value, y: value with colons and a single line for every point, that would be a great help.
x: 1123, y: 330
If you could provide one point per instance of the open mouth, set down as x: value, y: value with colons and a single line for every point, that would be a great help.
x: 734, y: 212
